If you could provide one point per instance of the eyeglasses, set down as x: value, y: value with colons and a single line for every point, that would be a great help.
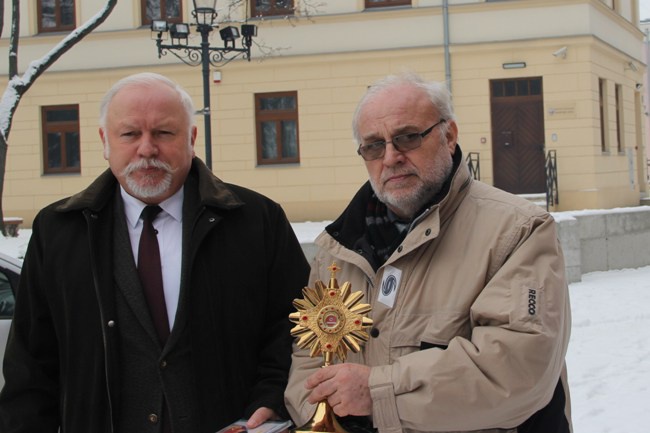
x: 401, y: 143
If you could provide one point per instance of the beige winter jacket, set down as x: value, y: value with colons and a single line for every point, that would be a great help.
x: 477, y: 334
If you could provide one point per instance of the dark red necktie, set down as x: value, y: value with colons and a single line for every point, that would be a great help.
x: 150, y: 273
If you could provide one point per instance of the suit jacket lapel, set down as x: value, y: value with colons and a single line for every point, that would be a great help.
x: 191, y: 209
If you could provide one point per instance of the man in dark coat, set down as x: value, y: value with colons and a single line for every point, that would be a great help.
x: 84, y: 354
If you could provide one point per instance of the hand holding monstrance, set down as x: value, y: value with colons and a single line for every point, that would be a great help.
x: 330, y: 321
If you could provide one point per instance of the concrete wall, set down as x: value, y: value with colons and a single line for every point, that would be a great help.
x: 594, y: 240
x: 601, y: 240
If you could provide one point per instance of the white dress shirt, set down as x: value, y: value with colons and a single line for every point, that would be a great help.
x: 169, y: 224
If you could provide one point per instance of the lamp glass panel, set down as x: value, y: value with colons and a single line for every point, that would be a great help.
x: 180, y: 31
x: 205, y: 4
x: 249, y: 29
x: 159, y: 26
x: 229, y: 33
x: 204, y: 11
x: 183, y: 28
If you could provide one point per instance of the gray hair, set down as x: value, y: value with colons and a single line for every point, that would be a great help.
x: 146, y: 78
x: 436, y: 91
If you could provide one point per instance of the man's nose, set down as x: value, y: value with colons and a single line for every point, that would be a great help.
x: 147, y: 146
x: 392, y: 156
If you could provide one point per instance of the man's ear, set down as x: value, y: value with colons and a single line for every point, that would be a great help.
x: 102, y: 135
x: 452, y: 136
x: 193, y: 139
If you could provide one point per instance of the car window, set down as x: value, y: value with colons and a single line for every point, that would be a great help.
x: 6, y: 297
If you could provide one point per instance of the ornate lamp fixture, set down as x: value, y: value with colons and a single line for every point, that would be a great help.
x: 205, y: 16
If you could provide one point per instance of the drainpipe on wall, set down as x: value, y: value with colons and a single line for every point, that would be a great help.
x: 445, y: 20
x: 646, y: 101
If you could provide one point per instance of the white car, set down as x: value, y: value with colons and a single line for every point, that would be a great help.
x: 9, y: 276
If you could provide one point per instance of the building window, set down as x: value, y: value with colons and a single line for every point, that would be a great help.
x: 168, y: 10
x: 602, y: 100
x: 618, y: 93
x: 516, y: 87
x: 61, y: 139
x: 276, y: 118
x: 386, y: 3
x: 268, y: 8
x: 56, y: 15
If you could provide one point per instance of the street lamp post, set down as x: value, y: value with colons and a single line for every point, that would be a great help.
x: 205, y: 15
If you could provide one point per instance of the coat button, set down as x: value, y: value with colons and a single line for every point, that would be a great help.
x: 163, y: 364
x: 374, y: 332
x: 111, y: 323
x: 399, y: 249
x: 427, y: 232
x: 153, y: 418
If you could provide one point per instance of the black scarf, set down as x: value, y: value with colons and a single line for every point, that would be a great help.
x: 383, y: 231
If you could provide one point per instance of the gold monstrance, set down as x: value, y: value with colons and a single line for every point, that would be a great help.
x: 330, y: 321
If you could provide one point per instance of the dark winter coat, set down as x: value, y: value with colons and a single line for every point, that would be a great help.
x: 245, y: 268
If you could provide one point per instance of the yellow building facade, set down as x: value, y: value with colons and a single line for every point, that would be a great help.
x: 548, y: 75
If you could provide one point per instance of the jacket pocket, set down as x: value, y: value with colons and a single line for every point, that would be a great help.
x: 419, y: 332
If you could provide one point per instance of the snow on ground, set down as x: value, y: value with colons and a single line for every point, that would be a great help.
x: 609, y: 352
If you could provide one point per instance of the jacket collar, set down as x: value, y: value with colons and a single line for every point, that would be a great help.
x: 458, y: 189
x: 212, y: 191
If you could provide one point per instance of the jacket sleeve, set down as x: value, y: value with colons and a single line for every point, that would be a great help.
x: 510, y: 365
x: 29, y: 399
x: 288, y: 274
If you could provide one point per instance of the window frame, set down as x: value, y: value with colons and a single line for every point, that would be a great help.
x: 57, y: 14
x: 274, y: 12
x: 277, y: 116
x: 620, y: 131
x: 62, y: 127
x: 604, y: 115
x: 147, y: 22
x: 520, y: 87
x: 386, y: 3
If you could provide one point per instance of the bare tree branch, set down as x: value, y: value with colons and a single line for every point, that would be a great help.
x: 15, y: 34
x: 18, y: 85
x: 37, y: 67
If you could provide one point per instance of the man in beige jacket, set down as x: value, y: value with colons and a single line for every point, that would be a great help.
x: 466, y: 282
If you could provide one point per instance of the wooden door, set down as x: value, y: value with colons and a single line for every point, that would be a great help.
x: 518, y: 151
